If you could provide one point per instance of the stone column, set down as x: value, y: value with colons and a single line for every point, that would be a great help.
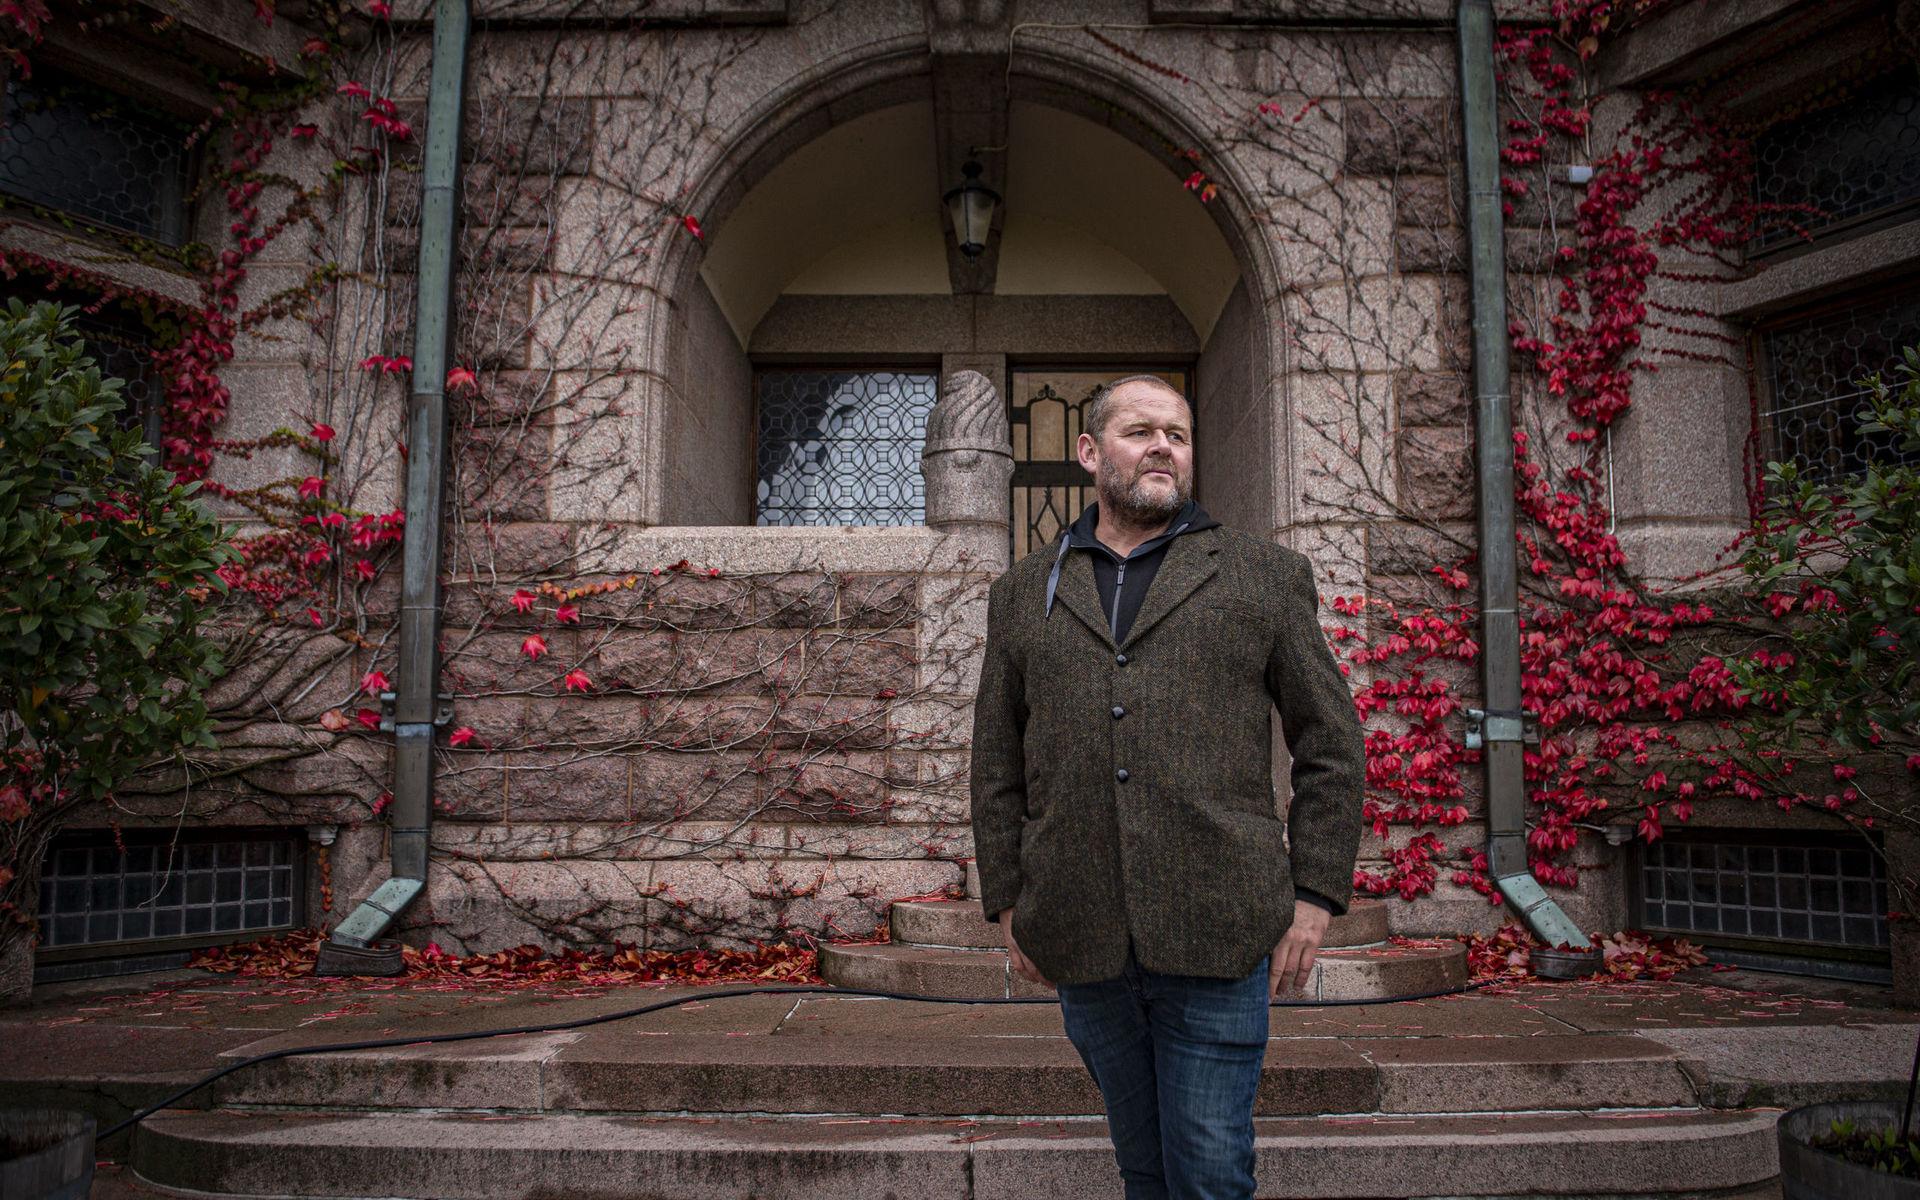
x: 968, y: 465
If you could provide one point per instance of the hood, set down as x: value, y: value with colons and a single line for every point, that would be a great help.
x: 1190, y: 519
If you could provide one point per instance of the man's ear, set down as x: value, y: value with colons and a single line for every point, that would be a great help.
x: 1085, y: 449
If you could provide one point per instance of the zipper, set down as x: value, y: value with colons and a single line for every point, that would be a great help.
x: 1119, y: 583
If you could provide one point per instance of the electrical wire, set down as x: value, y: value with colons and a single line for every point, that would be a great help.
x: 623, y: 1014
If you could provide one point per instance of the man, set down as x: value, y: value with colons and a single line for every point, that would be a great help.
x: 1125, y: 826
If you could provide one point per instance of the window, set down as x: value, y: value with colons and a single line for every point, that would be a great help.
x: 83, y: 151
x: 841, y: 447
x: 203, y: 888
x: 1801, y: 891
x: 1814, y: 364
x: 1855, y: 159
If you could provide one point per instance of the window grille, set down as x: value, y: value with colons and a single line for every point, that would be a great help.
x: 1814, y: 367
x: 1854, y: 159
x: 1809, y: 891
x: 154, y: 890
x: 842, y: 447
x: 94, y: 155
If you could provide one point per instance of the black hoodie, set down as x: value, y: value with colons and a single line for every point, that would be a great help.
x: 1123, y: 584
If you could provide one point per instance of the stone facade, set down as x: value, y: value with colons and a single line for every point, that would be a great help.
x: 779, y: 747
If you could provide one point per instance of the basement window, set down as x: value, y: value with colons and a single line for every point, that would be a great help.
x: 161, y: 891
x: 1799, y: 892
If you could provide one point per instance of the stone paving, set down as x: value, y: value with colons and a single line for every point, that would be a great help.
x: 1747, y: 1042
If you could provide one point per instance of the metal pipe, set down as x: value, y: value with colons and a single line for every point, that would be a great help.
x: 1503, y: 724
x: 417, y: 711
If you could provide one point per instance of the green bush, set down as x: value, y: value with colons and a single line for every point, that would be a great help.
x: 106, y: 568
x: 1839, y: 562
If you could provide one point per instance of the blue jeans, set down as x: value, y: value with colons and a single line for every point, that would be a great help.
x: 1177, y: 1059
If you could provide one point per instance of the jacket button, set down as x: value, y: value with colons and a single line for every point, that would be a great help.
x: 1121, y: 774
x: 1118, y: 712
x: 1121, y: 659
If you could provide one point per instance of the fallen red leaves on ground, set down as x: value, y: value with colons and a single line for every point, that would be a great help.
x: 291, y: 956
x: 1507, y: 953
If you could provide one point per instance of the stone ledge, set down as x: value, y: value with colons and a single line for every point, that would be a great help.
x: 1866, y: 258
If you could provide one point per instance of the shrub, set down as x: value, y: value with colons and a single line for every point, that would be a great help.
x: 106, y: 567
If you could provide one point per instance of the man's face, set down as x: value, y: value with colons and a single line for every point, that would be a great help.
x: 1142, y: 465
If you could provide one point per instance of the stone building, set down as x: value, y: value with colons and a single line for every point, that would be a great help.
x: 730, y: 358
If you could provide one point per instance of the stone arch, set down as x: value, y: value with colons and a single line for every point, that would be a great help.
x: 1242, y: 396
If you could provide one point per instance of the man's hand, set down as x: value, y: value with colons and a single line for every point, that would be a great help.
x: 1293, y: 957
x: 1022, y: 965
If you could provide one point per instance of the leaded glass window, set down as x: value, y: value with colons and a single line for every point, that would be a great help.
x: 842, y: 447
x: 1815, y: 890
x: 1815, y: 366
x: 107, y: 160
x: 1852, y: 159
x: 154, y: 889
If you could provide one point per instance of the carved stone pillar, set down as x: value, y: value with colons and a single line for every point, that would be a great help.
x: 968, y: 461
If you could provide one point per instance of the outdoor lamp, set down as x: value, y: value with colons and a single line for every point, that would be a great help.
x: 971, y: 205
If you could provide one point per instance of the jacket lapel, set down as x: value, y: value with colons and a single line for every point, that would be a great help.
x: 1189, y: 562
x: 1080, y: 595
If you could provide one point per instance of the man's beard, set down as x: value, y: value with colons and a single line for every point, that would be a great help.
x: 1133, y: 504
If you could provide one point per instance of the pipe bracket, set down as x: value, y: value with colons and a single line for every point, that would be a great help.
x: 442, y: 711
x: 1502, y: 725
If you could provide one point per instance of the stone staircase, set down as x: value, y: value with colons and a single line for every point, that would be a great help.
x: 785, y: 1096
x: 944, y: 948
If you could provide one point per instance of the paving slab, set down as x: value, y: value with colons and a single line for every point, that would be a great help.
x: 1791, y: 1066
x: 1477, y: 1156
x: 554, y: 1156
x: 1570, y: 1071
x: 666, y: 1159
x: 1640, y: 1005
x: 910, y: 1020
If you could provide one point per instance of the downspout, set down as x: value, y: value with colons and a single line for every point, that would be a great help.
x: 1501, y: 730
x: 416, y: 713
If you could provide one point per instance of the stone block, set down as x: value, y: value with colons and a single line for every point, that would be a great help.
x: 833, y: 786
x: 291, y: 675
x: 496, y: 662
x: 839, y: 723
x: 476, y: 907
x: 1431, y: 398
x: 640, y: 660
x: 859, y: 663
x: 1419, y: 250
x: 1437, y: 474
x: 732, y: 905
x: 562, y: 786
x: 1403, y: 549
x: 541, y: 137
x: 517, y: 550
x: 1388, y: 137
x: 717, y: 786
x: 878, y: 601
x: 717, y: 662
x: 470, y: 785
x: 518, y: 398
x: 1427, y: 201
x: 811, y: 600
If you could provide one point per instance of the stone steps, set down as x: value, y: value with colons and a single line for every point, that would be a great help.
x: 1349, y: 973
x: 956, y: 924
x: 614, y: 1071
x: 257, y: 1153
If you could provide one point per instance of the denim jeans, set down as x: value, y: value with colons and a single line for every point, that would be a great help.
x: 1177, y: 1059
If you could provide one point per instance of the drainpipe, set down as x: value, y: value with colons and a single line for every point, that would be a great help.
x: 417, y: 709
x: 1501, y: 730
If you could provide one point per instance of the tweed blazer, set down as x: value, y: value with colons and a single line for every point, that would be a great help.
x: 1126, y: 791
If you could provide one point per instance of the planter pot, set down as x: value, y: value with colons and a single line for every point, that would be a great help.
x: 1807, y: 1173
x: 45, y: 1154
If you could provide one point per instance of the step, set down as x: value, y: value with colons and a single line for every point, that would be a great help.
x: 470, y: 1157
x: 611, y: 1069
x: 958, y: 924
x: 1350, y: 973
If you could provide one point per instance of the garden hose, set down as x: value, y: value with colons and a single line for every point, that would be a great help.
x: 603, y: 1018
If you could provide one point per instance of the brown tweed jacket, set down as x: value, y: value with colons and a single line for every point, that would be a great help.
x: 1128, y: 790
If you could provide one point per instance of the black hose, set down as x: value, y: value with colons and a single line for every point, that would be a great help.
x: 603, y: 1018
